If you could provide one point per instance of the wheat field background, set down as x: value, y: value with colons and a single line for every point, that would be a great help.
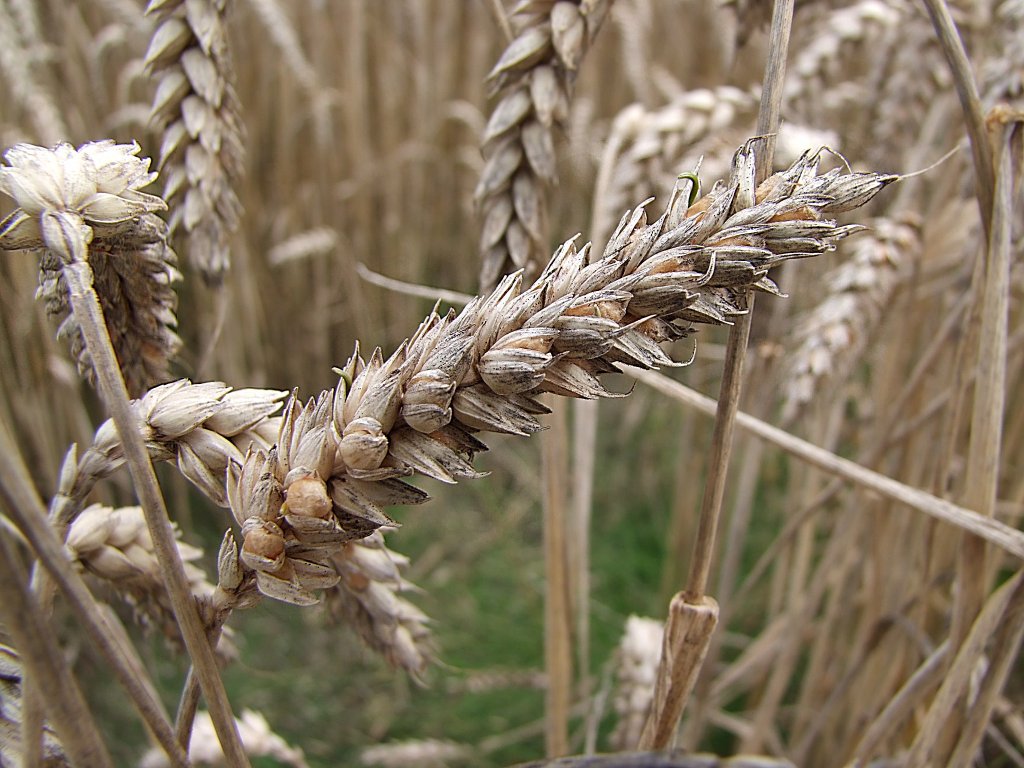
x: 362, y: 153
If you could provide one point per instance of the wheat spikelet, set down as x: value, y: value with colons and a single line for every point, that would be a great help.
x: 11, y: 716
x: 304, y: 245
x: 533, y: 80
x: 424, y: 753
x: 199, y: 426
x: 257, y: 737
x: 195, y: 106
x: 833, y: 336
x: 339, y: 458
x: 93, y: 193
x: 114, y: 544
x: 654, y: 144
x: 368, y: 599
x: 637, y: 659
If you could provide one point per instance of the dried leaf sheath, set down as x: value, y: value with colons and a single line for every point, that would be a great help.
x: 342, y: 457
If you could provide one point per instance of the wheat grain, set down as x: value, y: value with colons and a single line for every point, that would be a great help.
x: 195, y: 107
x: 533, y: 79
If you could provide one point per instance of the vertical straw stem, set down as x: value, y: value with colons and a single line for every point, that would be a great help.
x: 970, y: 102
x: 693, y: 616
x: 89, y: 314
x: 982, y: 475
x: 557, y: 609
x: 739, y: 335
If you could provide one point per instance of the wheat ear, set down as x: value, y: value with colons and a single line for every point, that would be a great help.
x: 341, y: 457
x: 636, y: 671
x: 195, y: 107
x: 533, y: 80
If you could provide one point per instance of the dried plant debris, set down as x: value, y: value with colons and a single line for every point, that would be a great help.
x: 533, y: 83
x: 94, y: 192
x: 195, y: 107
x: 344, y: 455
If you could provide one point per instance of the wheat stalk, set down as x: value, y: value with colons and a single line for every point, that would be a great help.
x: 533, y: 80
x: 195, y: 107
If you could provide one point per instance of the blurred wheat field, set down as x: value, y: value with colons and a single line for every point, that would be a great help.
x: 854, y: 629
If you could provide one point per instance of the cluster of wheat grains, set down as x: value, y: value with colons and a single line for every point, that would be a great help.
x: 852, y: 628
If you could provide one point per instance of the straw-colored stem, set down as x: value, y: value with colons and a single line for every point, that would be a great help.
x: 932, y: 734
x: 982, y: 472
x: 45, y: 664
x: 691, y: 623
x: 87, y: 311
x: 557, y: 608
x: 925, y: 678
x: 739, y: 335
x: 1009, y: 539
x: 584, y: 440
x: 1004, y: 651
x: 188, y: 703
x: 970, y: 102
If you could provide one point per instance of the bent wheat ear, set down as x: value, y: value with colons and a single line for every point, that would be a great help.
x: 89, y: 198
x: 342, y: 457
x: 195, y: 106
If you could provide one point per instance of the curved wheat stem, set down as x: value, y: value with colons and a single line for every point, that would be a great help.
x: 533, y: 80
x: 195, y: 107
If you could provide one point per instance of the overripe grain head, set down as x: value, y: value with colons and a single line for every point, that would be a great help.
x: 92, y: 196
x: 836, y: 332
